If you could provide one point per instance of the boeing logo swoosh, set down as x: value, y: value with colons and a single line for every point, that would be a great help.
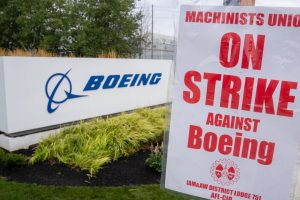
x: 53, y: 100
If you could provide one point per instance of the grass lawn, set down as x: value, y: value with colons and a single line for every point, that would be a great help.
x: 11, y: 190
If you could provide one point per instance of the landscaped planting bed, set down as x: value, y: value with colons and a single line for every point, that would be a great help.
x: 90, y: 145
x: 107, y: 151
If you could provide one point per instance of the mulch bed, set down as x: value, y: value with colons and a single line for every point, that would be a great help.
x: 125, y: 171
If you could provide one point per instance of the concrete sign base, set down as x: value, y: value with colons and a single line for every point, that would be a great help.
x: 24, y: 142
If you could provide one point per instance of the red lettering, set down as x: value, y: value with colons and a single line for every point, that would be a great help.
x: 285, y: 98
x: 255, y: 124
x: 266, y: 152
x: 247, y: 124
x: 225, y: 144
x: 260, y: 19
x: 237, y: 144
x: 190, y: 16
x: 218, y: 120
x: 210, y: 142
x: 249, y: 146
x: 261, y: 151
x: 211, y: 87
x: 233, y: 40
x: 230, y: 87
x: 192, y: 96
x: 208, y: 17
x: 199, y: 17
x: 194, y: 141
x: 248, y: 90
x: 264, y: 96
x: 253, y: 52
x: 210, y: 119
x: 251, y: 16
x: 217, y: 17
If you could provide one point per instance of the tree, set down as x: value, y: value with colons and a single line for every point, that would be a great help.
x: 144, y: 34
x: 102, y: 27
x: 85, y: 27
x: 9, y: 12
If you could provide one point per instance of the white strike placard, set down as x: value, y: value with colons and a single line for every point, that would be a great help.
x: 42, y: 92
x: 235, y: 117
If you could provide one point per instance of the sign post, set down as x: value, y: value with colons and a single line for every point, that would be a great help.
x: 234, y: 125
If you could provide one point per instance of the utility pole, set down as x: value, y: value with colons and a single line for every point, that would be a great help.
x: 141, y: 39
x: 152, y: 34
x: 141, y: 33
